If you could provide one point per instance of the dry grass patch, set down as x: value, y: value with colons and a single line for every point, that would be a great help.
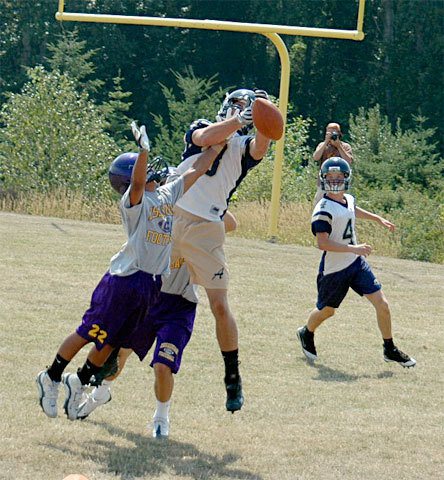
x: 351, y: 416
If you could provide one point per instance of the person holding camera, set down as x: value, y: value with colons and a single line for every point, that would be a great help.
x: 332, y: 146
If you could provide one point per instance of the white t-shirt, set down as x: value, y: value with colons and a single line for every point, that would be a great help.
x: 209, y: 196
x: 148, y: 227
x: 338, y: 220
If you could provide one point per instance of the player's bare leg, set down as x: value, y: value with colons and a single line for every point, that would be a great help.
x: 163, y: 389
x: 391, y: 352
x: 227, y: 336
x: 382, y: 308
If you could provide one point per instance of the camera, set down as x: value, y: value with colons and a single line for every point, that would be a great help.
x: 334, y: 136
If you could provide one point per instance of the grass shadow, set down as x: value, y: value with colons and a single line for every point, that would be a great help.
x: 146, y: 456
x: 327, y: 374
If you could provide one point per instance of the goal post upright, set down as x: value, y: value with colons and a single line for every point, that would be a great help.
x: 272, y: 32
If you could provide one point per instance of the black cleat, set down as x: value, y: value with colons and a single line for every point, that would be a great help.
x: 395, y: 355
x: 235, y: 397
x: 307, y: 343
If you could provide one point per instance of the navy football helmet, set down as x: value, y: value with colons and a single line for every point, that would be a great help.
x: 121, y: 169
x: 230, y: 106
x: 334, y: 165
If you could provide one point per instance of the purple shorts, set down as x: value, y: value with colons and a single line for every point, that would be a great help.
x: 171, y: 322
x: 118, y: 308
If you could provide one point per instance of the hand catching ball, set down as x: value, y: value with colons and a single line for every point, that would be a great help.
x: 268, y: 119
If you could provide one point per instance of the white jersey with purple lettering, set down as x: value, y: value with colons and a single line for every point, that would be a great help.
x: 209, y: 196
x: 338, y: 220
x: 148, y: 227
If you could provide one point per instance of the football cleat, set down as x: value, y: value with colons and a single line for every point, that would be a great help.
x: 48, y: 393
x: 160, y: 427
x: 307, y: 343
x: 395, y: 355
x: 99, y: 396
x: 74, y: 394
x: 235, y: 396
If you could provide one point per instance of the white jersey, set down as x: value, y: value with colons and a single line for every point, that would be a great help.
x: 148, y: 227
x: 209, y: 196
x: 338, y: 220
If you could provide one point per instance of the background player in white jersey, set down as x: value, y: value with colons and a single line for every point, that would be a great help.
x: 131, y: 285
x: 198, y: 230
x: 170, y: 322
x: 343, y: 264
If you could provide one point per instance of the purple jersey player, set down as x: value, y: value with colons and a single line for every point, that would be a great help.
x: 132, y: 284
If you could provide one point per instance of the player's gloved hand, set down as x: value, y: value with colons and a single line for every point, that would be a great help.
x: 261, y: 94
x: 245, y: 117
x: 141, y: 136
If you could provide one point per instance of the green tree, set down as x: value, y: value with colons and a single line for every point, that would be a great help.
x: 115, y: 111
x: 53, y: 137
x: 69, y: 56
x: 196, y: 100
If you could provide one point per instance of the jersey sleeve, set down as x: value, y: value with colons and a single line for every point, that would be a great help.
x: 190, y: 147
x: 321, y: 220
x: 172, y: 191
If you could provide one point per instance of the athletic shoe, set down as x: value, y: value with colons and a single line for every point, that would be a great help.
x: 161, y: 427
x: 235, y: 397
x: 99, y: 396
x: 395, y: 355
x: 74, y: 394
x: 48, y: 393
x: 307, y: 343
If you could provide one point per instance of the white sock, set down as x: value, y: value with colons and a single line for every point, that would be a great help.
x: 162, y: 409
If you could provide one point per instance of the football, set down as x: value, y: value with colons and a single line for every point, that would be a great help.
x: 268, y: 119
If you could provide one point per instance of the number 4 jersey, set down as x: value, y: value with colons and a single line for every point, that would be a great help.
x: 338, y: 220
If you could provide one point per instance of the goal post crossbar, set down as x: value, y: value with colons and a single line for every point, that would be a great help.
x: 270, y: 31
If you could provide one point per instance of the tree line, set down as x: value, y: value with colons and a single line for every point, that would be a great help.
x: 395, y: 66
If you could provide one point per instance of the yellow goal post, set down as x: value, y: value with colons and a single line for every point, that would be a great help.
x: 272, y: 32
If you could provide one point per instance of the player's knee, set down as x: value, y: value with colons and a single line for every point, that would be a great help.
x: 383, y: 306
x: 161, y: 370
x: 328, y: 311
x: 219, y: 307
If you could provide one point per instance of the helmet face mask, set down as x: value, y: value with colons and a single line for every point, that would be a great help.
x: 335, y: 175
x: 234, y: 103
x: 121, y: 169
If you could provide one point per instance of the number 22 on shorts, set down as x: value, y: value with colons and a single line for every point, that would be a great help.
x: 96, y: 332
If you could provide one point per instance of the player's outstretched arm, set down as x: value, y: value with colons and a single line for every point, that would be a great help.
x: 364, y: 214
x: 259, y: 146
x: 221, y: 131
x: 138, y: 176
x: 201, y: 165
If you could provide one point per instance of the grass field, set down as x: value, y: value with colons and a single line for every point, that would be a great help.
x: 351, y: 416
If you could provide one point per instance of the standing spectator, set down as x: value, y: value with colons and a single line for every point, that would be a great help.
x: 332, y: 146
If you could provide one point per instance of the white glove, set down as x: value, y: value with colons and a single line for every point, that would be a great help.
x: 245, y: 117
x: 141, y: 136
x: 261, y: 94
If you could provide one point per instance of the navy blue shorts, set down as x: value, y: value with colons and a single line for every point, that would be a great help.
x: 170, y: 322
x: 118, y: 308
x: 333, y: 288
